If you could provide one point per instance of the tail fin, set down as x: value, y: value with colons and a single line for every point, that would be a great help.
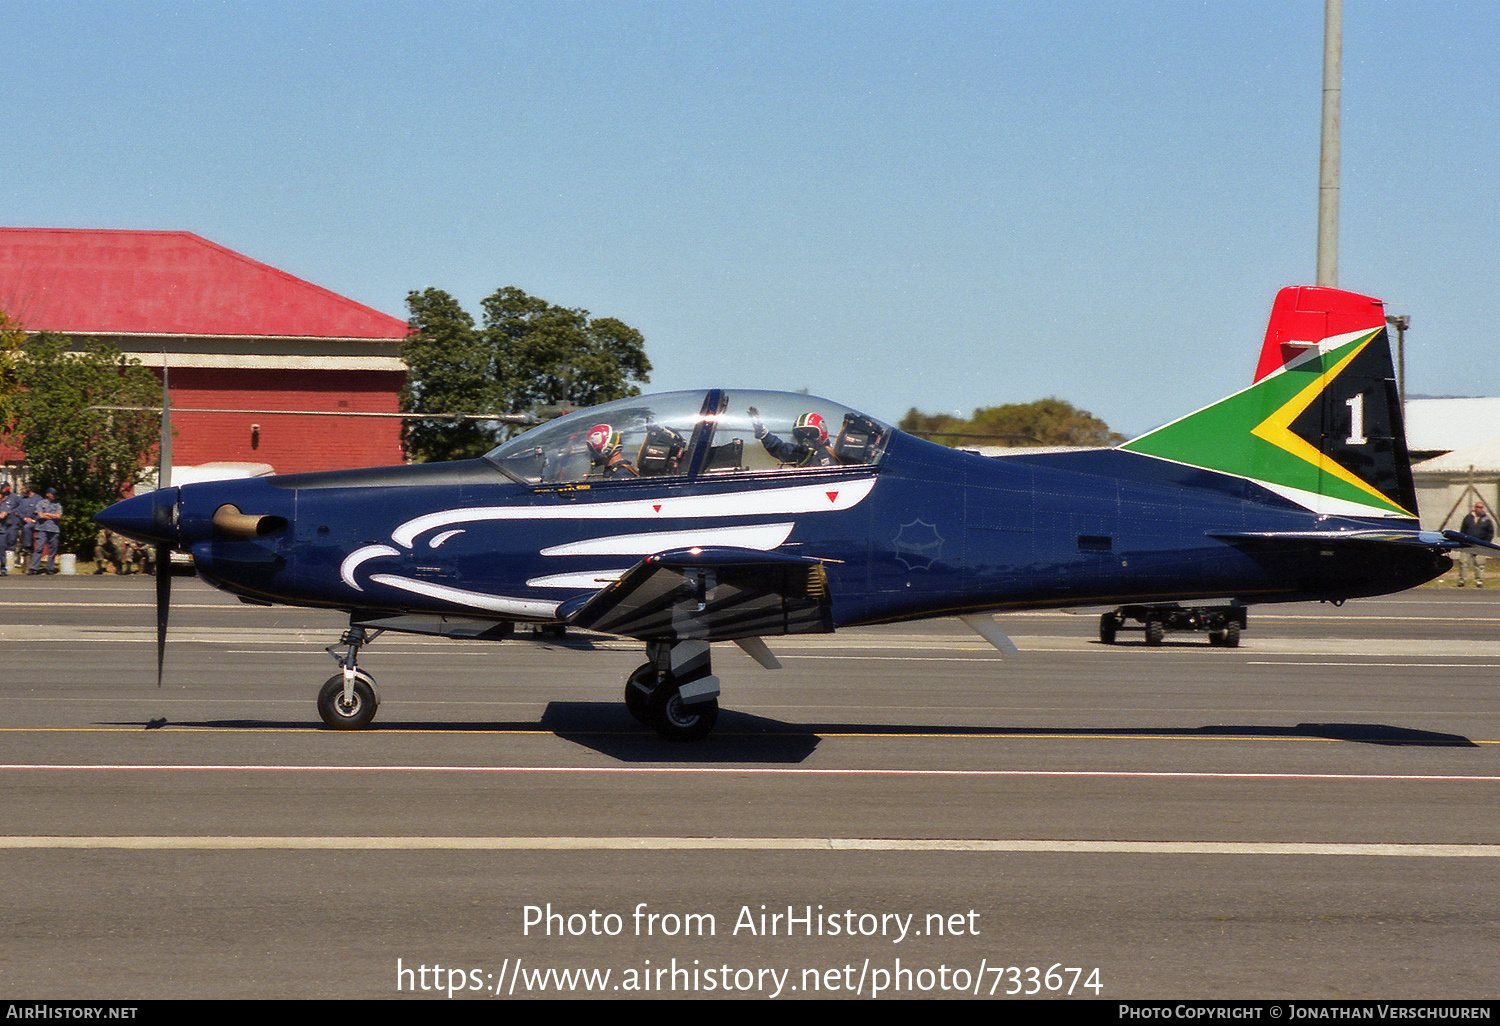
x: 1322, y: 423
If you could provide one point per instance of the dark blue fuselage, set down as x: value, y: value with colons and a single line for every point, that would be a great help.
x: 927, y: 531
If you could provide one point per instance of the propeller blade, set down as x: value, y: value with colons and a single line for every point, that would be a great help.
x: 164, y: 518
x: 163, y: 604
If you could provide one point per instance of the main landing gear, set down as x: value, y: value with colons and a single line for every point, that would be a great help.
x: 349, y: 699
x: 674, y: 692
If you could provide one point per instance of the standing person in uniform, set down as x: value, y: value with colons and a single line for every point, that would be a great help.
x: 1481, y: 525
x: 48, y: 532
x: 10, y: 522
x: 26, y: 515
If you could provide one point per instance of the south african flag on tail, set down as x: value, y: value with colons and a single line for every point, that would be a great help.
x: 1321, y: 425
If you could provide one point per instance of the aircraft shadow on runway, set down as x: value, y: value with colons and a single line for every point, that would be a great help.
x: 744, y: 737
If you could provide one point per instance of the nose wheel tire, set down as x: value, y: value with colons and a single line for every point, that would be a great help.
x: 354, y: 714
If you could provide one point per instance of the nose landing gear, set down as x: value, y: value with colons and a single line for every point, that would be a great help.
x: 349, y: 699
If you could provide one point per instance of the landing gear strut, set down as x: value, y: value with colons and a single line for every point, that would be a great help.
x: 349, y: 698
x: 674, y: 692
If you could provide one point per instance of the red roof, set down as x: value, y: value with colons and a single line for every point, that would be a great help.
x: 105, y: 282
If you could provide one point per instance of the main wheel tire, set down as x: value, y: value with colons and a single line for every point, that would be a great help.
x: 1216, y: 637
x: 1232, y: 635
x: 1108, y: 625
x: 1155, y: 632
x: 355, y: 714
x: 638, y: 693
x: 676, y: 721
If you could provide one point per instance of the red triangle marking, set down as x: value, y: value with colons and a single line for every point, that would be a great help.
x: 832, y: 496
x: 656, y: 507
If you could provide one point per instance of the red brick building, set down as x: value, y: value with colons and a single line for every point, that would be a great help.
x: 234, y: 334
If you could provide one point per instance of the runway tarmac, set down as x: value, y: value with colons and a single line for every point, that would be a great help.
x: 900, y: 811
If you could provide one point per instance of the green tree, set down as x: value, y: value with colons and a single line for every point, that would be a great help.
x: 527, y: 353
x: 12, y: 340
x: 86, y: 454
x: 450, y: 369
x: 1049, y: 421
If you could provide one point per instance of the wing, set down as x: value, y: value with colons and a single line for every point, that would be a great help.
x: 710, y: 594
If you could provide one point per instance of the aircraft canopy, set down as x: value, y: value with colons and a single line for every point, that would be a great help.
x: 691, y: 434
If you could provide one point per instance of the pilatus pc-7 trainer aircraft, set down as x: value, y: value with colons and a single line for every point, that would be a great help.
x: 690, y: 518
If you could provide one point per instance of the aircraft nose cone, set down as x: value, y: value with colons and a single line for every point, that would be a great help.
x: 146, y: 518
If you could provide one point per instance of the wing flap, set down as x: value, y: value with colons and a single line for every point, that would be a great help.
x: 710, y: 594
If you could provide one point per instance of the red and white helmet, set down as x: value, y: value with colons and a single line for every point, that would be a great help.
x: 602, y: 439
x: 810, y: 430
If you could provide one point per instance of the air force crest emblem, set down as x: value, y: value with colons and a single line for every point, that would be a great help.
x: 918, y: 545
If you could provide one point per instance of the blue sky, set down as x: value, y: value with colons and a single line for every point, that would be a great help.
x: 891, y: 204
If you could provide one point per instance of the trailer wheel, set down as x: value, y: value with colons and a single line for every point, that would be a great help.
x: 1108, y: 625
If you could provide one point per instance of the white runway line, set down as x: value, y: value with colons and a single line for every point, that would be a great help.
x: 757, y: 844
x: 746, y: 771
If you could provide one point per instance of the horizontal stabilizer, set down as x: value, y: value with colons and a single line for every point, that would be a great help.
x: 1464, y: 541
x: 1436, y: 541
x: 710, y: 594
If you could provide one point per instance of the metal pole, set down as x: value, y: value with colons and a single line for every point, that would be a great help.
x: 164, y: 458
x: 1328, y: 178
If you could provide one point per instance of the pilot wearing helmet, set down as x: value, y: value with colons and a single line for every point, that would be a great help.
x: 604, y: 451
x: 809, y: 445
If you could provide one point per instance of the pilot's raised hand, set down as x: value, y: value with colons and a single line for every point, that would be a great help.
x: 755, y: 422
